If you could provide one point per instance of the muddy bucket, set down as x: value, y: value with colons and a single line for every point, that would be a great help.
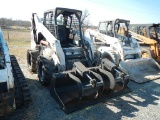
x: 141, y: 70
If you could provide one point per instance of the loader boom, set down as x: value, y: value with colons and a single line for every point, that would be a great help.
x: 41, y: 30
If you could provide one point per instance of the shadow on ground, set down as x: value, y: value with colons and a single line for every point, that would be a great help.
x: 43, y: 106
x: 125, y: 106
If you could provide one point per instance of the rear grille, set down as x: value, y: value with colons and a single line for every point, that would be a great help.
x: 3, y: 87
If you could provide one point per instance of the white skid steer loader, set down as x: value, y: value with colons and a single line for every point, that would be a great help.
x: 113, y: 41
x: 65, y: 61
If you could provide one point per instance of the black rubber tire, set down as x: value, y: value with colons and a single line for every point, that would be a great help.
x: 97, y: 57
x: 45, y: 70
x: 32, y: 59
x: 111, y: 56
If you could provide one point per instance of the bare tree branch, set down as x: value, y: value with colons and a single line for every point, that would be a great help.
x: 85, y: 18
x: 85, y: 14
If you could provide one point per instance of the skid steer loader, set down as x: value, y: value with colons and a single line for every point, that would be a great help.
x: 113, y: 41
x: 14, y: 90
x: 65, y: 62
x: 151, y: 31
x: 148, y: 36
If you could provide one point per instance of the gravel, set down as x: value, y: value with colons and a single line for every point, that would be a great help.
x: 142, y: 103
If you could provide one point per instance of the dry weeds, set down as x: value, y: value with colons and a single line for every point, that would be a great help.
x: 19, y: 41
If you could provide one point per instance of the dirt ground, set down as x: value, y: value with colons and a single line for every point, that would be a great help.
x: 142, y: 103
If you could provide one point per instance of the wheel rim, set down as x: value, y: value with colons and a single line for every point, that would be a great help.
x: 145, y: 54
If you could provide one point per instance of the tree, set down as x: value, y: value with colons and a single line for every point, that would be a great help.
x: 85, y: 18
x: 10, y: 22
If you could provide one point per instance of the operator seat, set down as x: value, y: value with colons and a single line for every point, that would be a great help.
x: 144, y: 32
x: 62, y: 34
x: 122, y: 31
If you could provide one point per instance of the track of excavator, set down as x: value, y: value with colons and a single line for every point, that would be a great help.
x: 22, y: 93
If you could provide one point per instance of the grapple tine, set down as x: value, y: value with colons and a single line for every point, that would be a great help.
x: 111, y: 78
x: 79, y: 84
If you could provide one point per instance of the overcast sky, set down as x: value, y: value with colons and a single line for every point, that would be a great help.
x: 137, y: 11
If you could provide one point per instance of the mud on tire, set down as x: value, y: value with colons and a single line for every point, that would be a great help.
x: 32, y: 59
x: 45, y: 70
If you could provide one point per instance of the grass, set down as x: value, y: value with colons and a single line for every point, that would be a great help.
x: 19, y: 41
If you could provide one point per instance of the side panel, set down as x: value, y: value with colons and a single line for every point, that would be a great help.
x: 6, y: 73
x: 33, y: 44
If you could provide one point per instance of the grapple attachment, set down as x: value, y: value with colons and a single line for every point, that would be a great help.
x: 142, y: 70
x: 76, y: 88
